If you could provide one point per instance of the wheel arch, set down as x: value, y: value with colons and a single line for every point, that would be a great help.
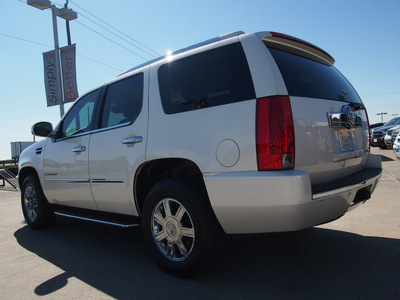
x: 25, y: 172
x: 152, y: 172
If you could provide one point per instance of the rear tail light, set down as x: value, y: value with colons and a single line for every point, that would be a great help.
x: 275, y: 134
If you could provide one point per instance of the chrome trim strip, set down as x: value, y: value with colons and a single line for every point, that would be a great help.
x: 84, y: 180
x: 344, y: 119
x: 69, y: 180
x: 101, y: 180
x: 63, y: 138
x: 346, y: 188
x: 112, y: 127
x: 96, y: 220
x: 346, y: 155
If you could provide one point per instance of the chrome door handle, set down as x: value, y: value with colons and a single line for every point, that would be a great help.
x: 132, y: 140
x: 79, y: 149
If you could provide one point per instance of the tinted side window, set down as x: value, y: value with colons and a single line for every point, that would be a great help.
x: 307, y: 78
x: 123, y: 101
x: 216, y: 77
x: 80, y: 117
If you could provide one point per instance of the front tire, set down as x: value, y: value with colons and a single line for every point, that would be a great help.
x: 37, y: 211
x: 176, y: 223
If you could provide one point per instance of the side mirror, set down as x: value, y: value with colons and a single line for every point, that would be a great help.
x: 42, y: 129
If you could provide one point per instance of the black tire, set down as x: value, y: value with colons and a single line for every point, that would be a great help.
x: 178, y: 227
x: 37, y: 211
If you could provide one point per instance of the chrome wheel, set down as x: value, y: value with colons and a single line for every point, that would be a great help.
x: 37, y: 211
x: 31, y: 203
x: 173, y: 229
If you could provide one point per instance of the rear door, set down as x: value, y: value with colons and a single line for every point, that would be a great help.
x: 117, y: 147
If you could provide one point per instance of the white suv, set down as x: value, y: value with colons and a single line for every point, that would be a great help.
x: 247, y: 133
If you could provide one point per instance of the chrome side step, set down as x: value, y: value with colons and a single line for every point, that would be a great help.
x: 96, y: 220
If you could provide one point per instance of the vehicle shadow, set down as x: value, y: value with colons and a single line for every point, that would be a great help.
x: 314, y: 263
x: 385, y: 158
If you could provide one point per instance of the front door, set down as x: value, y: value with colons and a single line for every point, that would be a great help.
x: 66, y: 158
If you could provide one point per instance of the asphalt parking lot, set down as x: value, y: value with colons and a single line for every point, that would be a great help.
x: 355, y: 257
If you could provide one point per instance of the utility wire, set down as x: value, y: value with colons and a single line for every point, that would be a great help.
x: 136, y: 41
x: 141, y: 56
x: 147, y: 52
x: 111, y: 40
x: 45, y: 45
x: 21, y: 39
x: 93, y: 60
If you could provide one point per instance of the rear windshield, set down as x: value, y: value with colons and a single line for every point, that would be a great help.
x: 307, y: 78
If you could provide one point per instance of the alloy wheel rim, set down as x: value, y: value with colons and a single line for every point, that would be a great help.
x: 173, y: 229
x: 31, y: 203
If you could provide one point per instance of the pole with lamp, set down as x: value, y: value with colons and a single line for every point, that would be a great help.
x: 67, y: 22
x: 381, y: 114
x: 68, y: 15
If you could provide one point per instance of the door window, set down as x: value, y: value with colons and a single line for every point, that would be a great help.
x: 80, y: 117
x: 123, y: 101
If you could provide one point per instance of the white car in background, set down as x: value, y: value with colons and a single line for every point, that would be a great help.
x: 396, y: 146
x: 391, y: 135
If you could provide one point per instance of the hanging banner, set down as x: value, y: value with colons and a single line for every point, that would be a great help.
x: 68, y: 69
x: 51, y: 80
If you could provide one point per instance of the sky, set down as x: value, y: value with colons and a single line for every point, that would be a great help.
x: 113, y: 36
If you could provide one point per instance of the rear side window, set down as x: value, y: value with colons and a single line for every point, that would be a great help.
x: 216, y: 77
x: 123, y: 101
x: 307, y: 78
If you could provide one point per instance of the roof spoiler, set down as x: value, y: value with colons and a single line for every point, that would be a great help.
x: 297, y: 46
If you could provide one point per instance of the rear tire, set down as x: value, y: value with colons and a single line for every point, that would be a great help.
x: 177, y: 227
x: 37, y: 211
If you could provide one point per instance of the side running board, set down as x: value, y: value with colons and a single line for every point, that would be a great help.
x: 98, y: 217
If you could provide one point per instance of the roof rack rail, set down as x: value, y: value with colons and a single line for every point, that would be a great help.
x: 232, y: 34
x: 194, y: 46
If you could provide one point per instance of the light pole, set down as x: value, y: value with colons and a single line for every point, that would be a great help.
x: 67, y: 14
x: 67, y: 24
x: 381, y: 114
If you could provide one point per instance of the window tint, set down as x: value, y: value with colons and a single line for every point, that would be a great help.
x: 80, y: 117
x: 307, y: 78
x: 123, y: 101
x: 216, y: 77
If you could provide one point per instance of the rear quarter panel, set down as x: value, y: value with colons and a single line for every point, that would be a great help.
x: 196, y: 135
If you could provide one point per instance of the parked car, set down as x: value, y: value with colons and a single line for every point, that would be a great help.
x: 396, y: 146
x: 378, y: 133
x: 390, y: 136
x: 372, y: 126
x: 243, y: 133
